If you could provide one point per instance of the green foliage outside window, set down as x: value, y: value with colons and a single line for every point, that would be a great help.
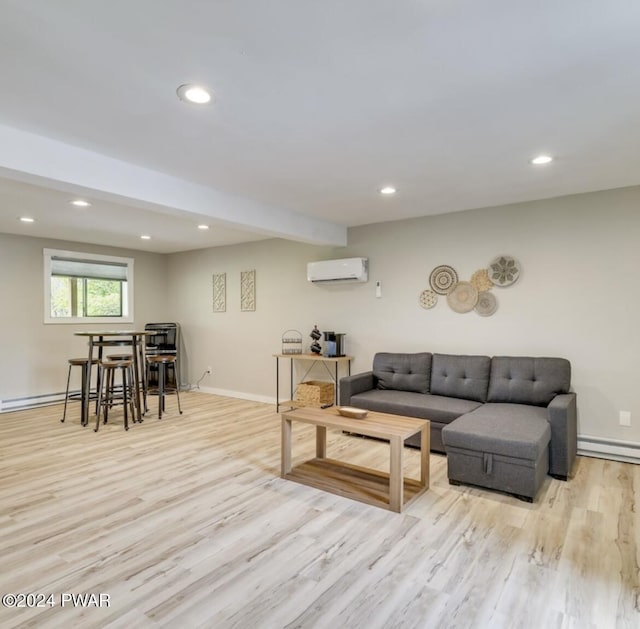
x: 86, y: 297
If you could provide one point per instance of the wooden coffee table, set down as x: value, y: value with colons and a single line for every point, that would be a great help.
x: 390, y: 491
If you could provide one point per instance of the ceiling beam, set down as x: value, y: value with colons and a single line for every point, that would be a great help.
x: 49, y: 163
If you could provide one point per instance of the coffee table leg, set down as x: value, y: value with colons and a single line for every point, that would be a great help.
x: 321, y: 442
x: 286, y: 447
x: 425, y: 446
x: 395, y: 475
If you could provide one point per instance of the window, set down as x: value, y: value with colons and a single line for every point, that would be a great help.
x: 86, y: 287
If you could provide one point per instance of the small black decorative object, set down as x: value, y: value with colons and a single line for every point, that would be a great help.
x: 315, y: 335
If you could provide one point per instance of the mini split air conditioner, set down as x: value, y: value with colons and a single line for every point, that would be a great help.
x: 346, y: 270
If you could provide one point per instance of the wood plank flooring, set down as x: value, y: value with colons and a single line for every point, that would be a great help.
x: 184, y: 522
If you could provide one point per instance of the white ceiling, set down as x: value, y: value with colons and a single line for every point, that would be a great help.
x: 317, y: 105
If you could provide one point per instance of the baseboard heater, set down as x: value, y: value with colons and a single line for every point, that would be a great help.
x: 33, y: 401
x: 626, y: 451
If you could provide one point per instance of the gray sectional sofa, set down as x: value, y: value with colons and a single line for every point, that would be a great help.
x: 505, y: 422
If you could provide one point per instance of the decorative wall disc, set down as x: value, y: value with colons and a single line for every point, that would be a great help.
x: 428, y: 299
x: 487, y: 304
x: 463, y: 297
x: 480, y: 279
x: 442, y: 279
x: 504, y: 270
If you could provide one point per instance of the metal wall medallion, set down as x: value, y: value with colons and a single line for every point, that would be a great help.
x: 443, y: 279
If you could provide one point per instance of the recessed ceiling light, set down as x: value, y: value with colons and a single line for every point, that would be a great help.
x: 194, y: 94
x: 27, y: 219
x: 388, y: 190
x: 203, y: 227
x: 145, y: 237
x: 541, y: 159
x: 80, y: 203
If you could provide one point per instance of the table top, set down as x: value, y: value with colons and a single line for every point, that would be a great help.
x: 310, y: 356
x: 380, y: 425
x: 114, y: 333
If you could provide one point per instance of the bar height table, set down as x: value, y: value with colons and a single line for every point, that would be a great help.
x: 115, y: 338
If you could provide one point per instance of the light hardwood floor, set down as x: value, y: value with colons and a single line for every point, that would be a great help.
x: 184, y: 522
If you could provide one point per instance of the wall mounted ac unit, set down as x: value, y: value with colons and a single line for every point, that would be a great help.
x: 346, y: 270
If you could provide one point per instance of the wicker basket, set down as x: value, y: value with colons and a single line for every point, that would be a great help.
x: 315, y: 393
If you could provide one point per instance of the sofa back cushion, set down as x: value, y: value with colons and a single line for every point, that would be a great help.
x: 464, y: 377
x: 526, y: 380
x: 402, y: 372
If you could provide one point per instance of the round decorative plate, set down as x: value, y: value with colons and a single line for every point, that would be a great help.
x: 442, y: 279
x: 463, y: 297
x: 504, y: 270
x: 480, y: 279
x: 428, y: 299
x: 487, y: 304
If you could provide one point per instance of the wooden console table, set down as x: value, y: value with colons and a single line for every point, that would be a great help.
x: 314, y: 358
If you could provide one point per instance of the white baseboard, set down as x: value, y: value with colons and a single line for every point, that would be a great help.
x: 626, y: 451
x: 265, y: 399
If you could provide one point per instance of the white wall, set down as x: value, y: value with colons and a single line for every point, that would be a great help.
x: 34, y: 354
x: 577, y: 298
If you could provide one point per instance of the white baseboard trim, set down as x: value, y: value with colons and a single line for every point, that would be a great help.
x: 265, y: 399
x: 626, y: 451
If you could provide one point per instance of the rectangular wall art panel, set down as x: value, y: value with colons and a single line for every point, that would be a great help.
x: 248, y: 290
x: 219, y: 292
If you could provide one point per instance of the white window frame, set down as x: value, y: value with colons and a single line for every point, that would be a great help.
x: 49, y: 254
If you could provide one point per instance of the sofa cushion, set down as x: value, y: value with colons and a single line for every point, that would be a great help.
x: 423, y: 406
x: 514, y: 430
x: 402, y: 372
x: 458, y: 376
x: 526, y: 380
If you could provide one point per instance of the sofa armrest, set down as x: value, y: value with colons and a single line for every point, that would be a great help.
x: 562, y: 416
x: 352, y: 385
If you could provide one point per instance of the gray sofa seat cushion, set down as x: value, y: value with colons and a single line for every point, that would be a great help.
x: 402, y: 372
x: 423, y: 406
x: 512, y: 430
x: 526, y: 380
x: 465, y: 377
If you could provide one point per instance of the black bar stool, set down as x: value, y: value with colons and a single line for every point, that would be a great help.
x: 77, y: 362
x: 163, y: 361
x: 143, y: 379
x: 110, y: 395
